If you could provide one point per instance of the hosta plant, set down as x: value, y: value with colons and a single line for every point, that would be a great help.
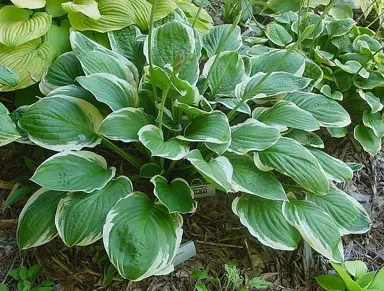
x: 347, y: 64
x: 178, y: 106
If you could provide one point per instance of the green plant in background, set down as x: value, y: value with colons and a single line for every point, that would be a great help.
x: 232, y: 280
x: 243, y: 123
x: 346, y: 63
x: 361, y: 278
x: 26, y: 279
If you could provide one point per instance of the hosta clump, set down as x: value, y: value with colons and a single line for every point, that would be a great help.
x: 346, y: 62
x: 195, y: 108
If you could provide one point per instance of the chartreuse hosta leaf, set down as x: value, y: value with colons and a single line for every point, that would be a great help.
x: 356, y: 268
x: 141, y: 238
x: 62, y: 72
x: 8, y: 130
x: 349, y: 215
x: 217, y: 171
x: 328, y: 112
x: 125, y: 124
x: 111, y: 90
x: 80, y: 216
x: 30, y: 4
x: 8, y: 76
x: 287, y: 114
x: 335, y: 169
x: 53, y: 7
x: 74, y: 171
x: 17, y: 27
x: 252, y: 135
x: 212, y: 127
x: 216, y: 35
x: 37, y: 219
x: 62, y: 123
x: 375, y: 122
x: 277, y: 34
x: 349, y: 283
x: 277, y: 82
x: 373, y: 101
x: 367, y: 138
x: 249, y: 179
x: 58, y: 37
x: 184, y: 41
x: 153, y: 139
x: 330, y: 282
x: 265, y: 221
x: 306, y: 138
x: 292, y: 159
x: 317, y: 228
x: 227, y: 72
x: 29, y: 60
x: 176, y: 196
x: 87, y: 7
x: 114, y: 15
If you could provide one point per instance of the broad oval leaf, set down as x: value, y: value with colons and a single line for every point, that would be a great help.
x: 335, y: 169
x: 222, y: 35
x: 152, y: 138
x: 8, y: 76
x: 265, y: 221
x: 330, y: 282
x: 373, y: 101
x: 87, y: 7
x: 17, y: 27
x: 317, y: 228
x: 62, y: 123
x: 328, y: 112
x: 367, y: 138
x: 8, y: 129
x: 36, y: 224
x: 277, y: 34
x: 249, y: 179
x: 125, y: 124
x: 141, y: 238
x: 287, y: 114
x: 80, y: 216
x: 212, y: 127
x: 252, y: 135
x: 349, y: 215
x: 177, y: 196
x: 306, y: 138
x: 30, y: 4
x: 74, y: 171
x: 111, y: 90
x: 356, y: 268
x: 340, y: 27
x: 292, y: 159
x: 217, y: 171
x: 375, y: 122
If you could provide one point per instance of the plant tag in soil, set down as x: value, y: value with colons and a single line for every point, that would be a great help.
x: 186, y: 251
x: 203, y: 190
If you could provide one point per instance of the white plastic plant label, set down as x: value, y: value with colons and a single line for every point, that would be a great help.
x: 185, y: 252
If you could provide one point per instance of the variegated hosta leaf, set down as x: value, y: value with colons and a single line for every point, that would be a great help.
x: 306, y: 138
x: 217, y: 171
x: 37, y: 219
x: 367, y: 138
x: 366, y: 45
x: 326, y: 90
x: 339, y: 27
x: 30, y: 4
x: 328, y: 112
x: 216, y: 36
x: 177, y: 196
x: 125, y: 124
x: 17, y: 27
x: 114, y: 15
x: 111, y: 90
x: 29, y: 60
x: 80, y: 216
x: 252, y: 135
x: 249, y: 179
x: 265, y: 221
x: 74, y: 171
x: 8, y: 130
x: 353, y: 67
x: 230, y: 103
x: 335, y: 169
x: 212, y: 127
x: 314, y: 72
x: 277, y: 34
x: 227, y: 72
x: 375, y: 122
x: 152, y: 138
x: 141, y: 238
x: 287, y: 114
x: 292, y: 159
x: 373, y: 101
x: 184, y: 41
x: 8, y: 76
x: 149, y: 170
x: 62, y: 123
x: 86, y: 7
x: 349, y: 215
x: 317, y: 228
x: 63, y: 71
x: 375, y: 80
x: 277, y: 82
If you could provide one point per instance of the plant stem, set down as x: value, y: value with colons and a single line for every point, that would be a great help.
x: 163, y: 98
x: 150, y: 32
x: 130, y: 158
x: 196, y: 16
